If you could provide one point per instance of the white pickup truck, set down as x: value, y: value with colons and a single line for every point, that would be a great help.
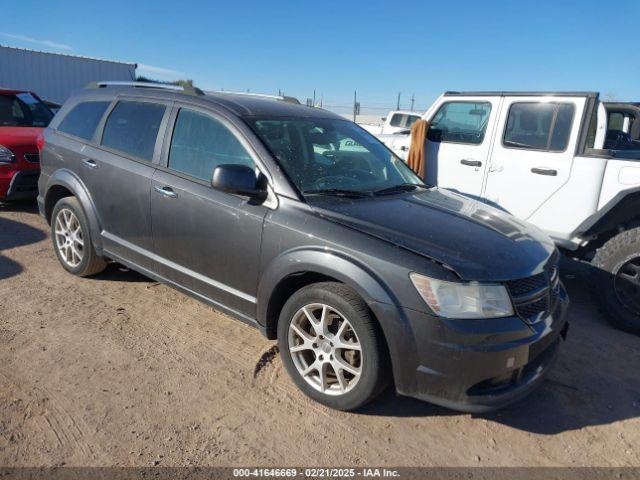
x: 395, y: 121
x: 565, y: 162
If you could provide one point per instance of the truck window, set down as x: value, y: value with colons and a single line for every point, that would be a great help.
x: 460, y: 122
x: 616, y: 121
x: 396, y: 120
x: 539, y: 126
x: 411, y: 119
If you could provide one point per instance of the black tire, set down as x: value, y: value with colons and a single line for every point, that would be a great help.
x: 374, y: 376
x: 91, y: 263
x: 613, y: 257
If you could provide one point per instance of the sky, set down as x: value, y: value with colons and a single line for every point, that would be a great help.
x: 378, y: 49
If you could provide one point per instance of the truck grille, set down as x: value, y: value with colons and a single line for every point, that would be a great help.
x: 32, y: 157
x: 534, y: 297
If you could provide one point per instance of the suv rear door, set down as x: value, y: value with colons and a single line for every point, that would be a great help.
x: 207, y: 241
x: 118, y: 174
x: 533, y: 152
x: 459, y: 137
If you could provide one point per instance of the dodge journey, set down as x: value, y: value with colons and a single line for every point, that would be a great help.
x: 300, y: 223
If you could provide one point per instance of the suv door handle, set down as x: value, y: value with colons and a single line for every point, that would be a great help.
x: 471, y: 163
x: 545, y: 171
x: 166, y: 191
x: 90, y: 163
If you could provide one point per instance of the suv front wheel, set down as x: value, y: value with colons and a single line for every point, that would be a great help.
x: 71, y: 239
x: 331, y: 346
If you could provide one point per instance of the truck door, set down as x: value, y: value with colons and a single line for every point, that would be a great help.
x: 458, y: 142
x: 533, y: 151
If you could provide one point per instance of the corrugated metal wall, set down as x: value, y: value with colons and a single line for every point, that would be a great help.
x: 53, y: 76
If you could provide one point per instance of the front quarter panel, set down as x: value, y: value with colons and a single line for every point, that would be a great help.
x: 297, y: 240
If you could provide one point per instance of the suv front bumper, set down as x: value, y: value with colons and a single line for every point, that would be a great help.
x: 23, y: 185
x: 475, y: 365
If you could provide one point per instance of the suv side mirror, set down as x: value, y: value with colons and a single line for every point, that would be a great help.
x: 239, y: 180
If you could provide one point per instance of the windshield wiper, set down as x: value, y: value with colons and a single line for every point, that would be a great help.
x: 402, y: 187
x: 338, y: 192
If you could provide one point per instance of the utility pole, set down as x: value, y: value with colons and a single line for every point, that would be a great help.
x: 413, y: 99
x: 321, y: 97
x: 398, y: 102
x: 355, y: 103
x: 314, y: 98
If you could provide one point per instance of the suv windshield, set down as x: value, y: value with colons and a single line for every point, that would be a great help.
x: 23, y: 110
x: 333, y: 156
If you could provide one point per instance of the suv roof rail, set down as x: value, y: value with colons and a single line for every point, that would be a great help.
x: 282, y: 98
x: 162, y: 86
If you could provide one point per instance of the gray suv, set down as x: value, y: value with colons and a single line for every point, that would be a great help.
x: 298, y: 222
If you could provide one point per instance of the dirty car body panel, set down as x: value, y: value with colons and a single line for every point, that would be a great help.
x: 235, y: 254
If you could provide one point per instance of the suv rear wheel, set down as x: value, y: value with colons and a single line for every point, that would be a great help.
x: 331, y: 346
x: 616, y: 280
x: 71, y: 239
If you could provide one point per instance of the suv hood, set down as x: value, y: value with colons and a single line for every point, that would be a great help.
x: 475, y: 240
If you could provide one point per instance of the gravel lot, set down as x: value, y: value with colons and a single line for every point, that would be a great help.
x: 119, y: 370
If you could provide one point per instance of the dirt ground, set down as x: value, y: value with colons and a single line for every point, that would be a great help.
x: 119, y: 370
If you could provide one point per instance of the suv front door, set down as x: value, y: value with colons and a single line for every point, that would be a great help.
x: 458, y: 143
x: 206, y: 241
x: 532, y: 155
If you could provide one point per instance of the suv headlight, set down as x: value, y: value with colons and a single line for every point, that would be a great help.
x: 463, y: 300
x: 6, y: 155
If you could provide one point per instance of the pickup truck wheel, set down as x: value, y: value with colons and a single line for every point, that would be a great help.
x: 616, y: 280
x: 71, y: 239
x: 331, y: 346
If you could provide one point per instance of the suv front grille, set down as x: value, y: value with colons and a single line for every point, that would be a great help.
x: 32, y: 157
x: 523, y: 286
x: 535, y: 296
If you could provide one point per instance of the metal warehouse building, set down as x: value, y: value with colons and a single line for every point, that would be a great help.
x: 53, y: 76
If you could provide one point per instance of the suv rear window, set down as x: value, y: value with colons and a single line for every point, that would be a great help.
x: 83, y: 119
x: 460, y: 122
x: 132, y: 128
x: 539, y: 126
x: 23, y: 110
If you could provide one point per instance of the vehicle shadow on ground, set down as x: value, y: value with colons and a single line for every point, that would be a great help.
x: 15, y: 234
x: 27, y: 206
x: 594, y: 381
x: 116, y: 272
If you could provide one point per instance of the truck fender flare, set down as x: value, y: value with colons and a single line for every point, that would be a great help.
x: 69, y: 180
x: 616, y: 211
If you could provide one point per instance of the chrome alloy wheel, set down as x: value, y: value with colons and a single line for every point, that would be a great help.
x: 325, y: 349
x: 69, y: 239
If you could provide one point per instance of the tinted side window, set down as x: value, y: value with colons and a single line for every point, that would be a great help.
x: 201, y: 143
x: 132, y: 128
x: 460, y: 122
x: 539, y: 126
x: 616, y: 121
x: 411, y: 119
x: 396, y: 120
x: 83, y: 119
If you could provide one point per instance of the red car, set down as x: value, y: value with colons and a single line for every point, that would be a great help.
x: 23, y: 116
